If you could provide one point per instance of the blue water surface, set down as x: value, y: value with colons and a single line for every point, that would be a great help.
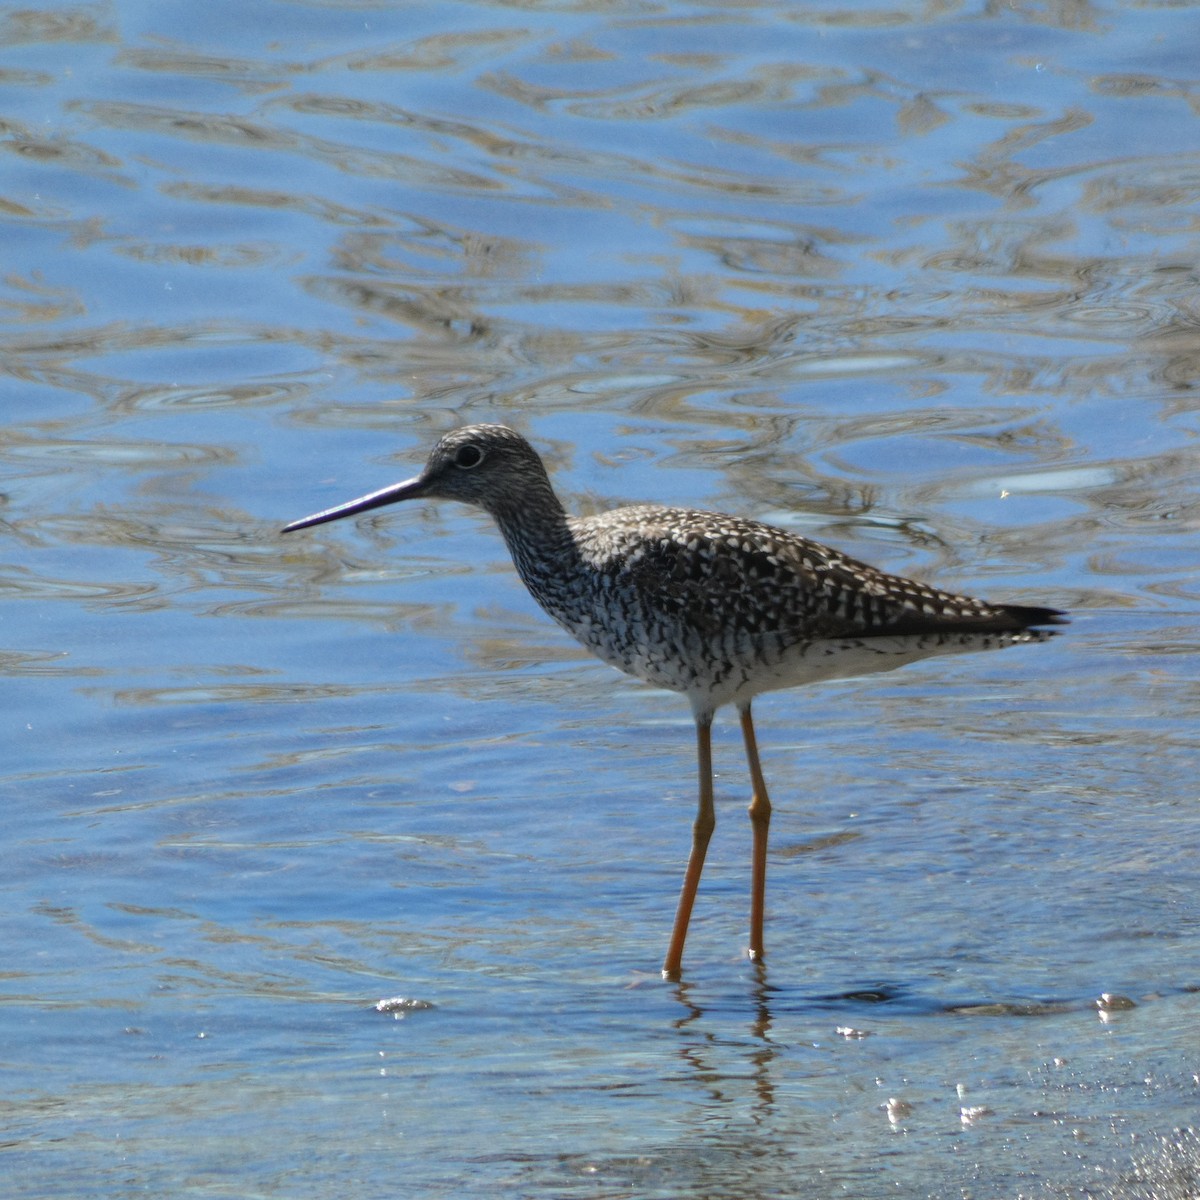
x: 916, y: 280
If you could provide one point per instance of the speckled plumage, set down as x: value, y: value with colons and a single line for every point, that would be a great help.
x: 721, y: 608
x: 713, y: 606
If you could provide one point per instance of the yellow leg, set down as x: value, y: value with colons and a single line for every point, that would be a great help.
x: 760, y: 823
x: 706, y: 821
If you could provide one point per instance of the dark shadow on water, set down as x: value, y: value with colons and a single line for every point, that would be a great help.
x: 899, y: 999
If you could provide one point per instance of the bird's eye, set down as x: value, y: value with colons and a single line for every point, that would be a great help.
x: 468, y: 457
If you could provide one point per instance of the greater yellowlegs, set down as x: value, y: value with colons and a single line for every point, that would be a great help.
x: 713, y: 606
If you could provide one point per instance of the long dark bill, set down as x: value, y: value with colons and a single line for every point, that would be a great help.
x: 388, y: 495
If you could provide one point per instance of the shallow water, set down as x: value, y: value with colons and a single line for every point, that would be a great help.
x: 917, y: 280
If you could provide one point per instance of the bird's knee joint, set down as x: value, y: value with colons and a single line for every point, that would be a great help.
x: 760, y: 809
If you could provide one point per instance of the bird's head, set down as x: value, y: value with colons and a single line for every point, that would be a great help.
x: 490, y: 466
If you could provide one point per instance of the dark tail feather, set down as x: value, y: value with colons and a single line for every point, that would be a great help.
x: 1029, y: 616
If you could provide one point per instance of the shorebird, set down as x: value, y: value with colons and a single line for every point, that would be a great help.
x: 713, y: 606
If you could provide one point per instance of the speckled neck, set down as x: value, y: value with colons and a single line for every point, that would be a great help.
x: 535, y: 528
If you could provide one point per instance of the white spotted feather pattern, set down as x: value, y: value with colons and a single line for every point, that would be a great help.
x: 714, y: 606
